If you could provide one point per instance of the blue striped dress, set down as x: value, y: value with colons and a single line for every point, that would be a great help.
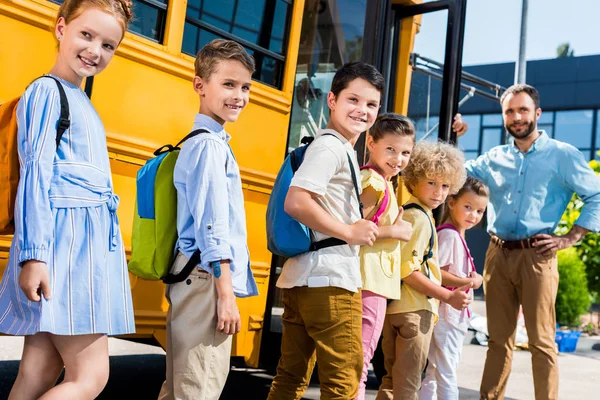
x: 65, y: 216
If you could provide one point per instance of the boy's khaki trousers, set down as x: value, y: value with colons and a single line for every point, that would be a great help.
x: 513, y: 277
x: 321, y: 324
x: 197, y: 354
x: 406, y: 340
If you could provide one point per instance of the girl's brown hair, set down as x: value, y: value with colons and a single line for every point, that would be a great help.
x: 121, y: 9
x: 472, y: 185
x: 392, y: 123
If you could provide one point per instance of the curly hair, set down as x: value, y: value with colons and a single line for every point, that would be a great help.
x: 434, y: 161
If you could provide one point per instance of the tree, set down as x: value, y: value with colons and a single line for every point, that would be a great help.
x: 564, y: 50
x: 588, y: 247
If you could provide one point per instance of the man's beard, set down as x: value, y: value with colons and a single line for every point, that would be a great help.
x: 529, y: 129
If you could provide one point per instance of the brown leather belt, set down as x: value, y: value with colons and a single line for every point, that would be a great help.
x: 513, y: 244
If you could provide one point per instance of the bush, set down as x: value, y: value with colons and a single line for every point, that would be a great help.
x: 589, y: 247
x: 572, y: 299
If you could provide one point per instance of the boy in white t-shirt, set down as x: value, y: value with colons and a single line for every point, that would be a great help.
x: 322, y: 318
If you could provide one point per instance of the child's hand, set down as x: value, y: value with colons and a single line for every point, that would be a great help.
x: 34, y: 280
x: 459, y: 126
x: 477, y: 279
x: 460, y: 299
x: 402, y: 229
x: 362, y: 232
x: 228, y: 315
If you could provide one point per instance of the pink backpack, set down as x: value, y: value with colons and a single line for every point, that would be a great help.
x: 386, y: 197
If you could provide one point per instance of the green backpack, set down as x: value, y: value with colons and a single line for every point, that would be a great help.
x: 154, y: 233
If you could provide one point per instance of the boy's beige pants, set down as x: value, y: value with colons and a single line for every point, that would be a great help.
x: 406, y: 340
x: 197, y: 354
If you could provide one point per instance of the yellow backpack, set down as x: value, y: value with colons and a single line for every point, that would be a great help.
x: 9, y: 156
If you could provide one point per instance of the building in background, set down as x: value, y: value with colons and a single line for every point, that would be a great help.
x: 570, y: 103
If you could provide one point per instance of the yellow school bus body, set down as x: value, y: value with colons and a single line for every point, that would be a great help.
x: 145, y: 99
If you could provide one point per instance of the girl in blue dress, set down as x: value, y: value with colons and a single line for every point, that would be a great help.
x: 66, y: 285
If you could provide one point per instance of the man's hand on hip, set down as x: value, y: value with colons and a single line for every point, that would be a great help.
x: 548, y: 245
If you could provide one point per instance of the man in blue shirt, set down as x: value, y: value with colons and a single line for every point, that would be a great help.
x: 531, y: 181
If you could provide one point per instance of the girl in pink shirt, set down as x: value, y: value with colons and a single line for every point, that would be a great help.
x: 464, y: 210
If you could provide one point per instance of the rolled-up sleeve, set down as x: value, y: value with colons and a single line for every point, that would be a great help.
x: 581, y: 179
x: 38, y: 112
x: 207, y: 197
x: 412, y: 251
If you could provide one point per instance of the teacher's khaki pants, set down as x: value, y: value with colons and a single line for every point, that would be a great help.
x: 511, y: 278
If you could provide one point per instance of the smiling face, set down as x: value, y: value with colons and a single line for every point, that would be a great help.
x: 86, y: 44
x: 355, y: 108
x: 431, y: 192
x: 390, y: 154
x: 467, y: 210
x: 226, y: 92
x: 520, y: 115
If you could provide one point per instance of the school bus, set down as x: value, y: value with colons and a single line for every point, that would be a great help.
x: 145, y: 100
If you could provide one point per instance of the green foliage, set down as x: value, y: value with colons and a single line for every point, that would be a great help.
x: 572, y: 299
x: 589, y: 247
x: 564, y: 50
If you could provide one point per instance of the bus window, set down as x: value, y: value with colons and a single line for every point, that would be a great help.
x: 261, y: 26
x: 332, y: 34
x: 150, y: 18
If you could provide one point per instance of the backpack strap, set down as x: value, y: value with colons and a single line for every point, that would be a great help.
x: 185, y: 272
x: 429, y: 254
x: 386, y: 196
x: 467, y: 252
x: 169, y: 147
x: 64, y: 121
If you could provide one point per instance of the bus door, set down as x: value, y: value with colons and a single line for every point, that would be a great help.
x: 385, y: 33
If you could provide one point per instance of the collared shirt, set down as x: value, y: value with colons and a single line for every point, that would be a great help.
x: 326, y: 172
x: 411, y: 256
x: 530, y: 191
x: 210, y: 204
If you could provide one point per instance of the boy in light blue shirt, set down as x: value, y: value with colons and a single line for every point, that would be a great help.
x: 203, y: 314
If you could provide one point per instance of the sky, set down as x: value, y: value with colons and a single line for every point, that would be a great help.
x: 493, y: 27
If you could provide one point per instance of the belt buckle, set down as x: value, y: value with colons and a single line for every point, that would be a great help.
x: 499, y: 242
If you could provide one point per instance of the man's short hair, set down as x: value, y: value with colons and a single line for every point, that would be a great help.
x: 219, y: 50
x: 522, y: 88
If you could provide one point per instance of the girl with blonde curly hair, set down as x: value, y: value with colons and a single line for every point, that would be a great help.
x: 435, y: 170
x: 66, y: 285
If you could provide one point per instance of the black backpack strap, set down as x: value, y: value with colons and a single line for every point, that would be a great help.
x: 64, y: 122
x: 429, y: 254
x: 185, y: 272
x: 329, y: 242
x: 189, y: 136
x: 169, y: 147
x: 355, y: 182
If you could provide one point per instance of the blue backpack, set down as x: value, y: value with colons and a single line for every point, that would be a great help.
x: 286, y: 236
